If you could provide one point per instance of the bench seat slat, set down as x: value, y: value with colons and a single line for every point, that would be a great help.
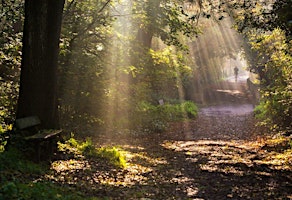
x: 45, y: 134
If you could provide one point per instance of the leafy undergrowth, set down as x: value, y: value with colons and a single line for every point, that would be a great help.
x: 108, y: 154
x: 153, y: 168
x: 22, y: 179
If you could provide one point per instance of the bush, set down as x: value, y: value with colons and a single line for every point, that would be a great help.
x: 156, y: 117
x: 275, y: 109
x: 190, y: 109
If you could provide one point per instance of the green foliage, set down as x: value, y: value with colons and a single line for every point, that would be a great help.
x: 37, y: 190
x: 8, y: 100
x: 164, y: 19
x: 111, y: 155
x: 170, y: 112
x: 262, y: 15
x: 261, y: 110
x: 85, y: 29
x: 267, y: 26
x: 74, y: 146
x: 275, y: 73
x: 101, y: 84
x: 156, y: 117
x: 162, y: 75
x: 10, y: 57
x: 3, y: 140
x: 13, y: 159
x: 18, y: 179
x: 165, y: 73
x: 4, y: 135
x: 190, y: 109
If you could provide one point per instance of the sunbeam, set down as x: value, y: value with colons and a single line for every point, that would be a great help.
x: 216, y: 53
x: 118, y: 95
x: 145, y: 99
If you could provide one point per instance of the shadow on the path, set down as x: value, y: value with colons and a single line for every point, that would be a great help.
x: 209, y: 158
x: 221, y: 170
x: 172, y: 169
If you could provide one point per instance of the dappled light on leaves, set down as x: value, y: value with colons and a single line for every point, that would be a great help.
x: 221, y: 156
x: 69, y: 165
x: 157, y: 99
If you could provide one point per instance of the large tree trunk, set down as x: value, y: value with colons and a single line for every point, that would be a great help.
x: 38, y: 81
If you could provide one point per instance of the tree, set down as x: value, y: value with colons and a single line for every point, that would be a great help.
x: 38, y: 80
x: 11, y: 21
x: 264, y: 15
x: 164, y: 19
x: 86, y: 28
x: 267, y: 25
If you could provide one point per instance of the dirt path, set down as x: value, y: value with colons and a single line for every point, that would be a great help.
x: 218, y: 156
x: 226, y: 114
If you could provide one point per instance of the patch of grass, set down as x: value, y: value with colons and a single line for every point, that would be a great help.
x: 23, y: 179
x: 38, y: 190
x: 113, y: 155
x: 13, y: 159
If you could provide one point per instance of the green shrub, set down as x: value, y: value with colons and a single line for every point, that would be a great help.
x: 275, y: 109
x: 190, y: 109
x: 155, y: 118
x: 112, y: 154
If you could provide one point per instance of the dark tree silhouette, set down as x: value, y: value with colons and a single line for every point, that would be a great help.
x: 38, y: 81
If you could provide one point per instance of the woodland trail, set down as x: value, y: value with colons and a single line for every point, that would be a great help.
x: 218, y: 156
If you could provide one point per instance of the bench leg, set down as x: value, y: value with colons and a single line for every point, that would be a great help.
x: 38, y: 146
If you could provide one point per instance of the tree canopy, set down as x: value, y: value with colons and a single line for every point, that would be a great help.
x: 126, y: 53
x: 138, y: 99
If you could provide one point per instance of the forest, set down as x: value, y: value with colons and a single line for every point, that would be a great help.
x: 145, y: 99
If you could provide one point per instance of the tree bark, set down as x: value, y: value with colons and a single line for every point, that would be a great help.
x: 38, y: 80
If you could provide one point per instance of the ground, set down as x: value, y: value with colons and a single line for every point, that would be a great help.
x: 219, y: 155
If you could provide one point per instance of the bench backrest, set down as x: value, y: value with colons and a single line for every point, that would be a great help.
x: 27, y: 122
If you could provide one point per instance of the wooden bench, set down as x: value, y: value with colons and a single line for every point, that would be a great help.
x: 40, y: 138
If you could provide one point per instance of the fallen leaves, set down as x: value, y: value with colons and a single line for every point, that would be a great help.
x: 216, y: 156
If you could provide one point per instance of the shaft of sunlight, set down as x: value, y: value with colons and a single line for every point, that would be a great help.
x: 118, y: 81
x: 216, y: 53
